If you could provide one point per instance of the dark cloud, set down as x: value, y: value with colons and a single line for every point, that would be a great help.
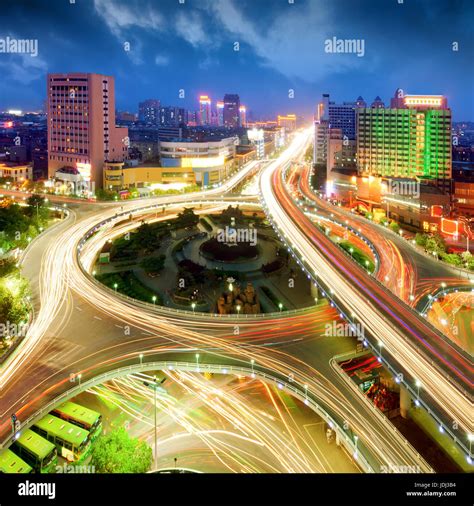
x: 191, y: 46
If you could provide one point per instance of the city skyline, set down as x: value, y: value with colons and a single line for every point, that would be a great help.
x: 225, y: 47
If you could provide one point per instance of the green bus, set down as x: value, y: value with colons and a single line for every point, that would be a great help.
x: 39, y: 453
x: 72, y: 442
x: 85, y: 418
x: 10, y: 463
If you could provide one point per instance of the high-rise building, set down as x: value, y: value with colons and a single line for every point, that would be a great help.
x: 81, y: 128
x: 321, y: 129
x: 220, y: 113
x: 204, y: 110
x: 243, y: 115
x: 149, y: 111
x: 172, y: 116
x: 410, y: 141
x: 330, y: 115
x: 231, y: 111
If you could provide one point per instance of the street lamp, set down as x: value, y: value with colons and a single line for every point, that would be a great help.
x: 115, y: 286
x: 351, y: 250
x: 306, y: 394
x: 418, y: 385
x: 141, y: 358
x: 197, y: 362
x: 252, y: 362
x: 238, y: 308
x: 380, y: 346
x: 193, y: 305
x: 79, y: 377
x: 280, y: 305
x: 154, y: 299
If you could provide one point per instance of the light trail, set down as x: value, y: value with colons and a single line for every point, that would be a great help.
x: 62, y: 276
x: 359, y: 296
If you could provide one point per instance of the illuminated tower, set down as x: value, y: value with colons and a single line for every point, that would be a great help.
x: 220, y: 113
x: 243, y: 115
x: 204, y: 110
x: 231, y: 111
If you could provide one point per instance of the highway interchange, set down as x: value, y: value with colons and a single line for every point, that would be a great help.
x: 82, y: 328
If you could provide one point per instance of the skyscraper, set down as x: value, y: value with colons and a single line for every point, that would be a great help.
x: 81, y: 127
x: 149, y: 111
x: 243, y: 115
x: 204, y: 110
x: 220, y: 113
x: 330, y: 115
x: 231, y: 111
x: 410, y: 141
x: 172, y: 116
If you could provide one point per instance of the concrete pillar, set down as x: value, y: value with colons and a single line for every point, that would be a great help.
x: 405, y: 401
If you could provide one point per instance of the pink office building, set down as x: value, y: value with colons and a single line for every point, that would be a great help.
x: 81, y: 128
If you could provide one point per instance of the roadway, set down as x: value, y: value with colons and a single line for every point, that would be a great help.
x: 83, y: 328
x: 399, y: 329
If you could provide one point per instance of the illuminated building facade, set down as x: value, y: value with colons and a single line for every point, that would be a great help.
x: 288, y: 122
x: 220, y: 113
x: 410, y: 141
x: 243, y: 115
x: 231, y: 110
x: 81, y: 127
x: 210, y: 162
x: 204, y: 110
x: 149, y: 111
x: 17, y: 173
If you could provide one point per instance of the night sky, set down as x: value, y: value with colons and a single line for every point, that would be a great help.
x: 282, y: 47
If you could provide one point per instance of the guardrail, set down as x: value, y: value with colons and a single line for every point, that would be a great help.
x: 164, y: 309
x: 381, y: 416
x: 289, y: 384
x: 329, y: 293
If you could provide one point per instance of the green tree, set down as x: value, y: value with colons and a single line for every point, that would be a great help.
x: 117, y: 452
x: 395, y: 227
x: 37, y: 209
x: 187, y: 218
x: 421, y: 239
x: 103, y: 194
x: 13, y: 221
x: 153, y: 264
x: 436, y: 244
x: 452, y: 258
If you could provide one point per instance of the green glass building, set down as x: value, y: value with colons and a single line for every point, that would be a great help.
x: 410, y: 141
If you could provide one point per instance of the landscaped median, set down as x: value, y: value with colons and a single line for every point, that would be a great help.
x: 127, y: 283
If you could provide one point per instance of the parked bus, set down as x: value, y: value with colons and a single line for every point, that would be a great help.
x: 72, y: 442
x: 10, y: 463
x: 38, y: 452
x: 85, y: 418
